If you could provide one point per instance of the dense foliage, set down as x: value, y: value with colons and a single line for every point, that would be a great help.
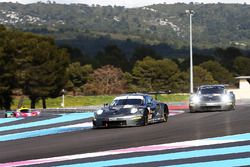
x: 163, y: 27
x: 154, y: 75
x: 31, y: 64
x: 149, y: 72
x: 219, y: 73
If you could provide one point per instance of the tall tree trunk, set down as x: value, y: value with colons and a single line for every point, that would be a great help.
x: 44, y: 102
x: 6, y: 100
x: 20, y: 103
x: 33, y: 102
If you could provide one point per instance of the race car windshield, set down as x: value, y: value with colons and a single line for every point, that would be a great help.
x: 127, y: 102
x: 212, y: 90
x: 24, y: 111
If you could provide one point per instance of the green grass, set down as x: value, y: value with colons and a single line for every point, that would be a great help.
x: 173, y: 97
x: 69, y: 101
x: 77, y: 101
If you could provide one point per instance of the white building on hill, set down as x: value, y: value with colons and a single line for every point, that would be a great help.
x: 244, y: 88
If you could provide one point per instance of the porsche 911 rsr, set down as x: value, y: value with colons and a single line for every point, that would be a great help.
x: 22, y: 112
x: 211, y: 98
x: 131, y: 110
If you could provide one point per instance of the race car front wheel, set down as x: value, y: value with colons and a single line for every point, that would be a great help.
x: 165, y: 114
x: 145, y: 118
x: 145, y: 121
x: 165, y: 117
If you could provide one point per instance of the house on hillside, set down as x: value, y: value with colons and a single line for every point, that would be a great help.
x: 244, y: 88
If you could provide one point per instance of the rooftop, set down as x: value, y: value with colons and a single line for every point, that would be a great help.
x: 243, y: 77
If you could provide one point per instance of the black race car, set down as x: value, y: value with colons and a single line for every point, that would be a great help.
x: 212, y: 98
x: 134, y: 109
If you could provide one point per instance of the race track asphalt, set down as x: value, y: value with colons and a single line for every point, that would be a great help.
x: 183, y: 127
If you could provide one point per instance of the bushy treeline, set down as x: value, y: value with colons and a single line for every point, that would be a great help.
x: 111, y: 71
x: 34, y: 66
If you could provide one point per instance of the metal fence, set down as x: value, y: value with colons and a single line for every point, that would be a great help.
x: 72, y: 109
x: 66, y: 110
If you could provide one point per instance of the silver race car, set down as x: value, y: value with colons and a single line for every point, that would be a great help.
x: 212, y: 98
x: 134, y: 109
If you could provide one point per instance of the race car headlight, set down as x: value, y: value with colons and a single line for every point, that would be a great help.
x: 225, y: 98
x: 195, y: 99
x: 99, y: 112
x: 133, y: 110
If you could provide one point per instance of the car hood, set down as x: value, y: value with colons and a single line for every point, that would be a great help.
x: 121, y: 110
x: 211, y: 95
x: 9, y: 111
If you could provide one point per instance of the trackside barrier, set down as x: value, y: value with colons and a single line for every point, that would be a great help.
x: 171, y: 105
x: 77, y: 109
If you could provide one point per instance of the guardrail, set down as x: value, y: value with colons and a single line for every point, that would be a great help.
x: 66, y: 110
x: 90, y: 108
x: 72, y: 109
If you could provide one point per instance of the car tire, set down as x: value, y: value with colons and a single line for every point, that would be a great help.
x: 165, y: 115
x: 191, y: 111
x: 165, y: 118
x: 145, y: 118
x: 233, y: 107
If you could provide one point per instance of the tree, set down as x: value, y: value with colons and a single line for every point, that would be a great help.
x: 242, y: 65
x: 31, y: 63
x: 78, y: 75
x: 197, y: 59
x: 202, y: 77
x: 154, y: 75
x: 6, y: 79
x: 105, y: 81
x: 226, y: 56
x: 40, y: 66
x: 46, y: 76
x: 180, y: 82
x: 76, y: 55
x: 219, y: 73
x: 141, y: 52
x: 112, y: 55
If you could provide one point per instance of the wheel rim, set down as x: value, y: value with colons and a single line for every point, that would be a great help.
x: 165, y: 118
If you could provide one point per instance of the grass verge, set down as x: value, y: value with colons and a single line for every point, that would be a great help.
x: 78, y: 101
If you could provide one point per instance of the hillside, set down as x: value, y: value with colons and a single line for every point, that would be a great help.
x: 159, y: 26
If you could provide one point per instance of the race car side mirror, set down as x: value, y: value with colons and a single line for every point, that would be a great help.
x: 231, y: 93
